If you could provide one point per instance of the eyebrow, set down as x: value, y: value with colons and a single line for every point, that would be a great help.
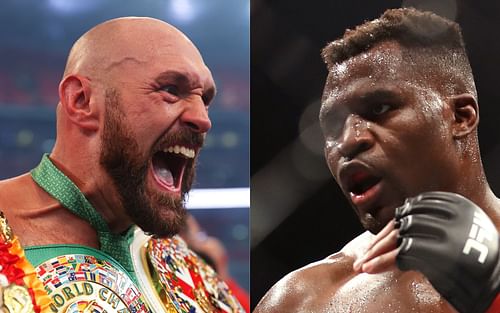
x: 380, y: 93
x: 350, y: 98
x: 177, y: 77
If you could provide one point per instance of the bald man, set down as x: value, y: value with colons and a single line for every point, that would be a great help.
x: 98, y: 217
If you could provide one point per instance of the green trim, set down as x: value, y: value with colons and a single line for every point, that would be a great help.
x: 59, y: 186
x: 40, y: 254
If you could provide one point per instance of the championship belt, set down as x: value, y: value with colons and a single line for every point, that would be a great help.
x: 82, y: 279
x: 86, y: 283
x: 20, y: 290
x: 176, y: 279
x: 170, y: 277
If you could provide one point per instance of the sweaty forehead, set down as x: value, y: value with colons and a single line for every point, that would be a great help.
x: 383, y: 63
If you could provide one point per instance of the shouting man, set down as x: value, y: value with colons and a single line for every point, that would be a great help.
x: 99, y: 216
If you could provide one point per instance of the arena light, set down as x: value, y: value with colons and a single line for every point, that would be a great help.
x: 218, y: 198
x: 72, y: 6
x: 182, y: 10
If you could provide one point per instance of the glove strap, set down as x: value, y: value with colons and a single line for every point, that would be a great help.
x: 495, y: 307
x: 490, y: 302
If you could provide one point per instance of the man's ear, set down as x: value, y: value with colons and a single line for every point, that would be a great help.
x: 74, y: 94
x: 466, y: 113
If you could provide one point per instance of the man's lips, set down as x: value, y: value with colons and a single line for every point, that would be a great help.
x: 364, y: 200
x: 361, y: 183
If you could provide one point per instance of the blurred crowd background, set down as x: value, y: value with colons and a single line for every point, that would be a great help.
x: 298, y: 213
x: 36, y: 36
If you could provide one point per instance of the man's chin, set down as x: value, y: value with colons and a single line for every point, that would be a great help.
x: 161, y: 215
x: 165, y: 225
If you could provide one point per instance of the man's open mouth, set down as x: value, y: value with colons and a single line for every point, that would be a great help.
x: 361, y: 182
x: 168, y: 166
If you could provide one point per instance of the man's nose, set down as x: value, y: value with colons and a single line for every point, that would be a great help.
x: 355, y: 138
x: 195, y: 116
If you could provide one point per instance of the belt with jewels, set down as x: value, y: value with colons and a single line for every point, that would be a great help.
x: 130, y: 273
x: 170, y: 278
x: 175, y: 279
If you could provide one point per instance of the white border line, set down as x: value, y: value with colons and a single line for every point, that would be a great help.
x: 218, y: 198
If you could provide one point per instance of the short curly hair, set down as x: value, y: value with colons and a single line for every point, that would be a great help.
x: 439, y: 39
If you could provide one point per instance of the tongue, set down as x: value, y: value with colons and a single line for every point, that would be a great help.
x: 165, y: 175
x: 162, y: 170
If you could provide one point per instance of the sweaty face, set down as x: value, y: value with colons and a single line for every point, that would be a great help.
x: 155, y: 211
x: 387, y: 133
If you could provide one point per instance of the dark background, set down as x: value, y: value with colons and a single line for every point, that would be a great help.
x: 298, y: 214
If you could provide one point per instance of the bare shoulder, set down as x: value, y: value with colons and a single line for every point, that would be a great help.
x: 331, y: 285
x: 10, y: 194
x: 16, y: 190
x: 37, y: 218
x: 302, y: 289
x: 357, y: 246
x: 22, y: 193
x: 313, y: 285
x: 19, y: 202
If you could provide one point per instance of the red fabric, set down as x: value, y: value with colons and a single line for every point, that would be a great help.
x: 32, y: 295
x: 495, y: 306
x: 240, y: 293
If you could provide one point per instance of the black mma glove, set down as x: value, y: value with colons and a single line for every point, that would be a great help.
x: 454, y: 244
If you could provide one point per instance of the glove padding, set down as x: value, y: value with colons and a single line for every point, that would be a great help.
x: 454, y: 244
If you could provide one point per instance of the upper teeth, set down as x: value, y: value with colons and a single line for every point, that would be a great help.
x: 187, y: 152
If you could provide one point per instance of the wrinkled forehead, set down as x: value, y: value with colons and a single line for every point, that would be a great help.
x: 155, y: 50
x: 176, y: 56
x: 160, y: 43
x: 382, y: 64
